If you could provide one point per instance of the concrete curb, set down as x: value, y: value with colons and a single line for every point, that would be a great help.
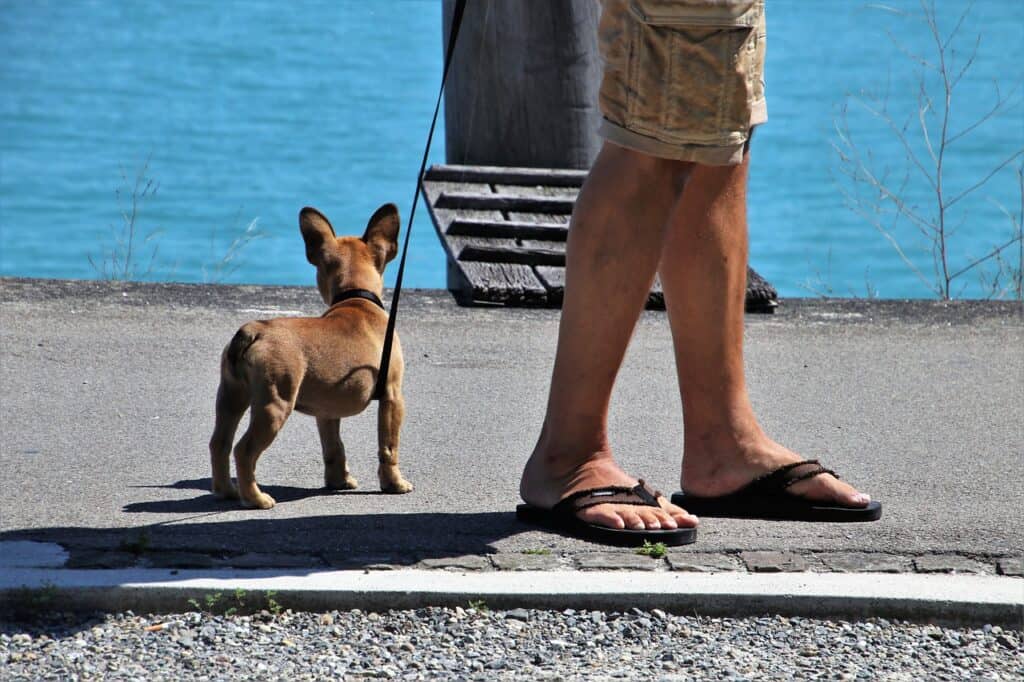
x: 943, y: 599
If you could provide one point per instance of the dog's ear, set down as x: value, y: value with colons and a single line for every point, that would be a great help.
x: 316, y: 230
x: 382, y: 234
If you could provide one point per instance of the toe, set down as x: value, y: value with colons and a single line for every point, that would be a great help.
x: 632, y: 519
x: 845, y: 494
x: 685, y: 519
x: 668, y: 517
x: 667, y: 521
x: 830, y: 489
x: 602, y: 515
x: 650, y: 517
x: 676, y: 516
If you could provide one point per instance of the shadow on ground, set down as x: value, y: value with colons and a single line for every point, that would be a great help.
x: 208, y: 503
x: 340, y: 541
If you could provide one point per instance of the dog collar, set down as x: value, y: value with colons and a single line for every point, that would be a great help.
x: 358, y: 293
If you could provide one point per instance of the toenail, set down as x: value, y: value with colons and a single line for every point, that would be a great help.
x: 863, y: 499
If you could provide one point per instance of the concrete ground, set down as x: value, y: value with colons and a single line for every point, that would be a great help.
x: 107, y: 406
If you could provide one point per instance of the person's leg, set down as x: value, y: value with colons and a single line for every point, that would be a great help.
x: 613, y: 250
x: 703, y: 274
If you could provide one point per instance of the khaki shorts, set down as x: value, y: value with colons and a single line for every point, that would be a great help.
x: 683, y: 79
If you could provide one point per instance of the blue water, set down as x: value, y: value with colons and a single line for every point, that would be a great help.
x: 247, y: 111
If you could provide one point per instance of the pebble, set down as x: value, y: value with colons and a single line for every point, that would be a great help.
x: 477, y: 644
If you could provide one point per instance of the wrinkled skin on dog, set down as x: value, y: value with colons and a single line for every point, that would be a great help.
x: 322, y: 366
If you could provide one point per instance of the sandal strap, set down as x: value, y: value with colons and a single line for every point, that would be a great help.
x: 640, y: 495
x: 785, y: 476
x: 810, y: 474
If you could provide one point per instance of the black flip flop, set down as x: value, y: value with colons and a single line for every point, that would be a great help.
x: 562, y: 517
x: 767, y: 498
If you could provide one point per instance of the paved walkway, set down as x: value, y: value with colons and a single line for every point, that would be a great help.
x: 107, y: 406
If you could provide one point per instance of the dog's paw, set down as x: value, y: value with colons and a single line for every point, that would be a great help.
x: 347, y: 483
x: 396, y: 487
x: 263, y: 501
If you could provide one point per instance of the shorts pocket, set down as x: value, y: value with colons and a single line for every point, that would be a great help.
x: 698, y: 13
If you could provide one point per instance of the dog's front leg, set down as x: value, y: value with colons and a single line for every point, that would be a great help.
x: 336, y: 476
x: 389, y: 422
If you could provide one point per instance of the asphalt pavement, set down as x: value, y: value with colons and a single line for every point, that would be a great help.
x: 107, y: 405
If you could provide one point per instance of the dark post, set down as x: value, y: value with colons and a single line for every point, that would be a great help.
x: 522, y: 90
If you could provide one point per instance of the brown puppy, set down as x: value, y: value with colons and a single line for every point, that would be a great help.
x: 323, y: 366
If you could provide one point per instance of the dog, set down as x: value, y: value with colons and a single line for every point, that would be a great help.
x: 323, y: 366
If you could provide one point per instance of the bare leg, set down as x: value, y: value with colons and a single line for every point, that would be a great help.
x: 612, y: 254
x: 703, y: 274
x: 232, y: 402
x: 389, y: 423
x: 336, y: 476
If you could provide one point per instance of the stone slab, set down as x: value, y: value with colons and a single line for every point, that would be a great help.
x: 260, y: 560
x: 866, y: 562
x: 950, y: 563
x: 375, y: 562
x: 509, y: 561
x: 703, y: 562
x: 469, y: 562
x: 1012, y: 566
x: 618, y: 561
x: 179, y: 560
x: 776, y: 562
x: 101, y: 559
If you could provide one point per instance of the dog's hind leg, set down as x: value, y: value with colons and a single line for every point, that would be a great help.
x: 389, y: 422
x: 269, y: 413
x: 232, y: 402
x: 336, y: 475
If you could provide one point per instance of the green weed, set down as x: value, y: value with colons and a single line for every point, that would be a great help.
x: 654, y: 550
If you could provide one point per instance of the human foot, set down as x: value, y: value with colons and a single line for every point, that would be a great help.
x: 714, y: 467
x: 544, y: 484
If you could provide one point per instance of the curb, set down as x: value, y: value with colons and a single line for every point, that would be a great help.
x: 35, y: 554
x: 958, y: 600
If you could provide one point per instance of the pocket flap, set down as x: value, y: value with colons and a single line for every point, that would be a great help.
x: 714, y: 13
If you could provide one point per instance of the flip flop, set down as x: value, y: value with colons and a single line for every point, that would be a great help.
x: 767, y: 498
x: 562, y: 517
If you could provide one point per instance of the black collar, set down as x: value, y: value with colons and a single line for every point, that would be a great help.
x: 357, y: 293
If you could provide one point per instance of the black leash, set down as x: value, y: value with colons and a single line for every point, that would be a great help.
x: 385, y: 360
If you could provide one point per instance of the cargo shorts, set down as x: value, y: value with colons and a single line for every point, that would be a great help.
x: 683, y: 79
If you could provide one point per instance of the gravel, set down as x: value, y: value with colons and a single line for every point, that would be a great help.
x: 477, y: 644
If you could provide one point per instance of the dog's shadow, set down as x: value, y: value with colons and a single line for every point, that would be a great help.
x: 209, y: 503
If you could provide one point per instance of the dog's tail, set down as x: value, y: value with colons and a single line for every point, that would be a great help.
x: 234, y: 354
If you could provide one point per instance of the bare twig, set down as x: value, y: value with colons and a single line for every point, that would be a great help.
x: 887, y: 204
x: 1003, y: 164
x: 122, y: 259
x: 991, y: 254
x: 226, y: 264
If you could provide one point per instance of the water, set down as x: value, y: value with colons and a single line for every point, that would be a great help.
x: 247, y: 111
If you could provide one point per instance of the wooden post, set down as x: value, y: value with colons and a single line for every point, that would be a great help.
x: 522, y: 90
